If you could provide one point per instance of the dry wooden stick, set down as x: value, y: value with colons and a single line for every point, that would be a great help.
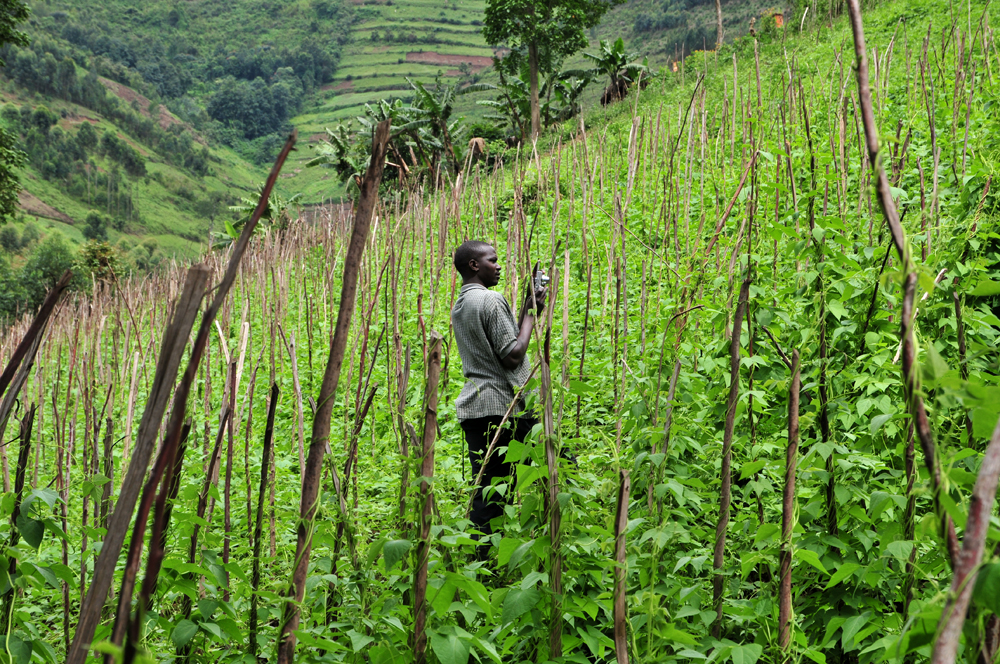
x: 186, y: 602
x: 426, y: 500
x: 34, y: 330
x: 297, y: 386
x: 621, y: 560
x: 727, y: 457
x: 404, y: 436
x: 967, y: 562
x: 258, y: 530
x: 165, y: 462
x: 963, y: 364
x: 328, y: 389
x: 22, y: 361
x: 915, y: 402
x: 788, y: 513
x: 227, y: 486
x: 552, y: 464
x: 352, y: 454
x: 729, y: 208
x: 7, y: 606
x: 774, y: 342
x: 175, y: 337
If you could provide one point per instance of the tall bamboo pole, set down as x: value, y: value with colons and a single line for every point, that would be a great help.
x: 327, y: 393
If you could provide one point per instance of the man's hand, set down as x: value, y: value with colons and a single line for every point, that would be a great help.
x: 539, y: 300
x: 525, y: 324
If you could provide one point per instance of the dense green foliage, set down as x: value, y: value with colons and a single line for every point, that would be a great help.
x: 12, y: 13
x: 174, y: 53
x: 540, y: 35
x: 625, y: 213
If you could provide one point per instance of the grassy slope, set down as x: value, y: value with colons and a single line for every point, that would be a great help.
x: 163, y: 203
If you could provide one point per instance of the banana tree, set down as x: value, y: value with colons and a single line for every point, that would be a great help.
x: 560, y: 93
x: 620, y: 67
x: 424, y: 134
x: 276, y: 216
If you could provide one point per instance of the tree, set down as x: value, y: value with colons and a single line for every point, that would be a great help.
x: 100, y: 259
x: 546, y: 30
x: 97, y: 226
x: 12, y: 12
x: 86, y: 137
x: 10, y: 240
x: 44, y: 267
x: 614, y: 62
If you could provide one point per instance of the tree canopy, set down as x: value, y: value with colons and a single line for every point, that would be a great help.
x: 547, y: 31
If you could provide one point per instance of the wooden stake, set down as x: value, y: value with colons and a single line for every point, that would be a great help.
x: 328, y: 389
x: 788, y: 514
x: 621, y: 561
x: 426, y: 499
x: 727, y: 457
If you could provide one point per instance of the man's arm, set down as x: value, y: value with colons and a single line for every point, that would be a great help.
x: 515, y: 356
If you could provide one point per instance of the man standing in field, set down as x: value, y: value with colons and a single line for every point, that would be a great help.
x: 493, y: 347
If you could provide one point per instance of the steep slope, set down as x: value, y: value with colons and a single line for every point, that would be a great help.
x: 111, y: 166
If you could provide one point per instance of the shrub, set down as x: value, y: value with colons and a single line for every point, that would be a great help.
x: 96, y: 227
x: 10, y: 240
x: 29, y: 235
x: 44, y: 267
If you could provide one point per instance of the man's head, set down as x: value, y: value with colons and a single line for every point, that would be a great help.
x: 476, y: 261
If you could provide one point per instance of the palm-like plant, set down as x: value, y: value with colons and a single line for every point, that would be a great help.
x: 620, y: 67
x: 336, y: 152
x: 567, y: 90
x: 277, y: 214
x: 559, y: 93
x: 423, y: 130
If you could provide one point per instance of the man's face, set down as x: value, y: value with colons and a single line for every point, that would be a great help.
x: 489, y: 267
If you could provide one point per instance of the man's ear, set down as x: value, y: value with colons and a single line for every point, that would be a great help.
x: 474, y: 265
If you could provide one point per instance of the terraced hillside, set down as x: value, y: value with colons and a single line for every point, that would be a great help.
x: 390, y: 42
x: 397, y: 39
x: 236, y: 76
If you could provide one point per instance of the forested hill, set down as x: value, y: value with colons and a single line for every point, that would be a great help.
x: 178, y: 105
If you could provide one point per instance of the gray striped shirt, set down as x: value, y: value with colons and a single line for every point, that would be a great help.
x: 486, y: 331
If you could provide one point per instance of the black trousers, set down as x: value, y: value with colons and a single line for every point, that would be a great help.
x: 479, y: 432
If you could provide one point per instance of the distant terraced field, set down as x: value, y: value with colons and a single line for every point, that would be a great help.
x: 396, y: 39
x: 393, y: 40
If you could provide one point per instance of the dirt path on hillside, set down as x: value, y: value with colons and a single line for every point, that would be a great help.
x: 33, y: 205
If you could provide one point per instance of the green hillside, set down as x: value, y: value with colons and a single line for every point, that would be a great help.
x: 203, y: 94
x: 177, y: 186
x: 663, y: 30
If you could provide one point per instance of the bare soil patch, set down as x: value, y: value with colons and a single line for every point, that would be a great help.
x: 128, y: 95
x: 33, y: 205
x: 478, y: 62
x: 343, y: 85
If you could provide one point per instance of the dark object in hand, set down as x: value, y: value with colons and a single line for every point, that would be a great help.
x: 541, y: 280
